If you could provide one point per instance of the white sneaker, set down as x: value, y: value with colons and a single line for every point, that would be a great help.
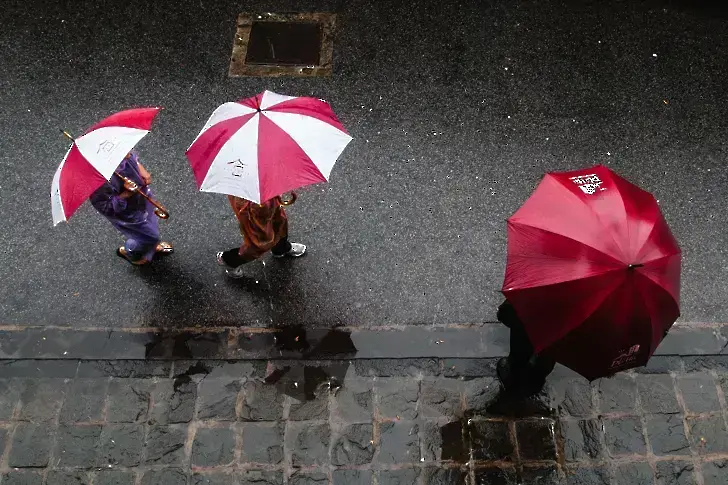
x: 297, y: 250
x: 235, y: 272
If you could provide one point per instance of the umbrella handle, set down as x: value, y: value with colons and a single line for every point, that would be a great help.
x: 291, y: 201
x: 159, y: 209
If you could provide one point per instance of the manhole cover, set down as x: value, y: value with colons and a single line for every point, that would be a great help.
x: 283, y: 45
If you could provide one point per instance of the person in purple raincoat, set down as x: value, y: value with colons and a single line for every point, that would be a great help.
x: 131, y: 213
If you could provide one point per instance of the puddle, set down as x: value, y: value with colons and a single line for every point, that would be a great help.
x: 454, y: 445
x: 302, y: 380
x: 306, y: 382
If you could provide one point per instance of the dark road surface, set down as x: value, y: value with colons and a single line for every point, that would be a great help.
x: 456, y: 109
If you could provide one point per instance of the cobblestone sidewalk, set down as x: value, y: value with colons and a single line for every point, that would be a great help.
x: 388, y: 422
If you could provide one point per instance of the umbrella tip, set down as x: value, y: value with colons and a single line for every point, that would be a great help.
x: 633, y: 266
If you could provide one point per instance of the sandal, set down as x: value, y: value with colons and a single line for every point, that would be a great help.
x: 121, y: 252
x: 164, y: 248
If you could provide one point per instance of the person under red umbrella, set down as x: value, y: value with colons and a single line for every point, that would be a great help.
x: 264, y: 228
x: 121, y: 202
x: 593, y: 272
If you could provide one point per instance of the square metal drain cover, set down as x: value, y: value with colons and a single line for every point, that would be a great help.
x: 298, y: 44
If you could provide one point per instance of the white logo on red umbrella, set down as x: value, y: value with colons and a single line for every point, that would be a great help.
x: 588, y: 183
x: 625, y: 358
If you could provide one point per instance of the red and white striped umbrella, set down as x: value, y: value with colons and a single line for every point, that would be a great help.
x: 267, y: 145
x: 93, y: 158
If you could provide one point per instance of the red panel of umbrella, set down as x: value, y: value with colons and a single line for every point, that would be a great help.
x: 593, y: 271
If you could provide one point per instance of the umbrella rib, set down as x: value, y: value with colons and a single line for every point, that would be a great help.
x: 597, y: 307
x: 616, y: 261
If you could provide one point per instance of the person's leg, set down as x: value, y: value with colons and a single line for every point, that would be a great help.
x: 232, y: 258
x: 282, y: 248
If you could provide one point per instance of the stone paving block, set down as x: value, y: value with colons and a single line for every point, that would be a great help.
x: 634, y: 473
x: 31, y: 446
x: 536, y: 439
x: 571, y: 396
x: 617, y: 394
x: 10, y: 390
x: 213, y: 447
x: 624, y: 436
x: 260, y: 477
x: 167, y: 476
x: 3, y: 440
x: 691, y: 340
x: 480, y: 394
x: 469, y: 368
x: 309, y: 478
x: 540, y: 476
x: 263, y: 442
x: 352, y: 477
x: 22, y: 477
x: 705, y: 363
x: 174, y: 401
x: 667, y: 434
x: 308, y: 443
x: 495, y: 476
x: 129, y: 400
x: 353, y: 445
x: 41, y: 399
x: 397, y: 398
x: 708, y: 434
x: 699, y: 393
x: 77, y: 446
x: 444, y: 476
x: 39, y: 369
x: 661, y: 364
x: 124, y: 369
x: 57, y: 477
x: 404, y: 476
x: 445, y: 442
x: 215, y: 478
x: 261, y: 402
x: 166, y: 445
x: 354, y: 403
x: 399, y: 442
x: 114, y: 477
x: 714, y: 473
x: 217, y: 399
x: 657, y: 394
x: 675, y: 473
x: 315, y: 409
x: 396, y: 367
x: 491, y: 440
x: 582, y: 439
x: 587, y: 476
x: 85, y: 401
x: 441, y: 397
x: 121, y: 444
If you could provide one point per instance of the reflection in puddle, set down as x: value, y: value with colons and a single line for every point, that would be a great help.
x: 302, y: 381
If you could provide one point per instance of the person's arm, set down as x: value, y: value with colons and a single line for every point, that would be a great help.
x: 110, y: 203
x: 146, y: 176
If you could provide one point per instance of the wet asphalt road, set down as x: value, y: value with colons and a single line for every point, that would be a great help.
x: 457, y: 109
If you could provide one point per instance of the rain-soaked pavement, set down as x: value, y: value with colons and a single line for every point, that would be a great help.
x: 341, y: 406
x: 456, y: 110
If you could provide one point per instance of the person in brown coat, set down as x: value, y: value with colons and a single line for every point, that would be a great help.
x: 264, y: 228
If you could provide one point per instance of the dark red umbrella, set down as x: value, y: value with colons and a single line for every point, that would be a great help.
x: 593, y: 271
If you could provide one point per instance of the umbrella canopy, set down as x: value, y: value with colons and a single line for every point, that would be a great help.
x: 267, y: 145
x: 93, y: 158
x: 593, y: 271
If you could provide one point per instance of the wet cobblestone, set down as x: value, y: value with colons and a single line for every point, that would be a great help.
x: 221, y: 424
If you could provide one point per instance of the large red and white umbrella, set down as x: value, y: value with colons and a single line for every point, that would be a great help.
x: 267, y: 145
x: 93, y: 158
